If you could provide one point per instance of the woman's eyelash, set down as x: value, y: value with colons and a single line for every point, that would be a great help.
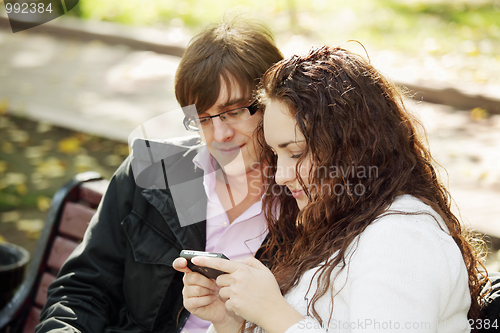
x: 296, y: 155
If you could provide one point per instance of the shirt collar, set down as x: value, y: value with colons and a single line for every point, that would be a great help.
x: 204, y: 160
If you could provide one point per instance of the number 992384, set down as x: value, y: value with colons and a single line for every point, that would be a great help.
x: 28, y: 7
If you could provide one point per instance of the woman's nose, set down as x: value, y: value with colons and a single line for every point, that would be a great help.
x: 284, y: 173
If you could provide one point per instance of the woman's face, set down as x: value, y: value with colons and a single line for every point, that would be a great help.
x: 288, y: 143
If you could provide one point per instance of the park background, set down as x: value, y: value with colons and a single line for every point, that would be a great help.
x: 72, y: 90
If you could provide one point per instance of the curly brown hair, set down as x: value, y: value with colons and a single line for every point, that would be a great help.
x: 350, y: 117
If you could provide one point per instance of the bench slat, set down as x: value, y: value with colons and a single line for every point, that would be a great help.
x: 61, y: 249
x: 32, y: 320
x: 91, y: 192
x: 75, y: 219
x: 41, y: 294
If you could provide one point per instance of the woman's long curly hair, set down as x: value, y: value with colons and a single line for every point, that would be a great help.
x: 352, y: 118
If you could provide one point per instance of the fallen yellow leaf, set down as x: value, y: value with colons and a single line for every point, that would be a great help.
x: 32, y: 228
x: 7, y: 147
x: 15, y: 178
x: 39, y: 181
x: 478, y: 114
x: 42, y: 184
x: 43, y: 203
x: 43, y: 127
x: 4, y: 105
x: 11, y: 216
x: 51, y: 168
x: 3, y: 166
x: 84, y: 163
x: 34, y: 152
x: 21, y: 189
x: 19, y: 136
x: 69, y: 145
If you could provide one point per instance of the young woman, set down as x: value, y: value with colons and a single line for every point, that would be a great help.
x: 361, y: 235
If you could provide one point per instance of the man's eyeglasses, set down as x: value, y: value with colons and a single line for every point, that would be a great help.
x: 229, y: 117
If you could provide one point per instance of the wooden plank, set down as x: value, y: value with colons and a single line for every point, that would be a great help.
x: 41, y: 294
x: 92, y: 191
x: 75, y: 219
x: 61, y: 249
x: 32, y: 320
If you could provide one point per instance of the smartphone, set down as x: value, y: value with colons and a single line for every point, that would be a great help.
x: 206, y: 271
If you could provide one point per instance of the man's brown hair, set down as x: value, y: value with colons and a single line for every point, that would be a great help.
x: 238, y: 51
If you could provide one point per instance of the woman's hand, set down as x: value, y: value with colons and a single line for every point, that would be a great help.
x: 201, y: 298
x: 251, y: 291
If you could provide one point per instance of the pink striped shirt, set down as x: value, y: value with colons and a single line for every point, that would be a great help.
x: 237, y: 240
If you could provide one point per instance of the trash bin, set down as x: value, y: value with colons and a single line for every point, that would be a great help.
x: 13, y: 262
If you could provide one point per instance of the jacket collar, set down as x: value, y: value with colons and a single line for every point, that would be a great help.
x: 174, y: 186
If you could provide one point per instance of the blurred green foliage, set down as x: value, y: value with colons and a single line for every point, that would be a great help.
x: 437, y: 26
x: 469, y: 27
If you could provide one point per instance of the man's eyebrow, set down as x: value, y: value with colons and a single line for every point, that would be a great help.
x: 231, y: 102
x: 285, y: 144
x: 222, y: 106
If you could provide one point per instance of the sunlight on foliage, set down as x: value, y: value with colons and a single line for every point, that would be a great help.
x: 463, y: 35
x: 393, y: 24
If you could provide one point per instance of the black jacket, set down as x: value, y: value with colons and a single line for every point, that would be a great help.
x: 120, y: 278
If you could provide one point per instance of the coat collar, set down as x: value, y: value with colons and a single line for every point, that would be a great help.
x: 173, y: 185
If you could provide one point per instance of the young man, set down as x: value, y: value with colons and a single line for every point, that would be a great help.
x: 177, y: 195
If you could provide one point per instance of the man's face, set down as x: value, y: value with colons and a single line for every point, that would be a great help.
x: 234, y: 146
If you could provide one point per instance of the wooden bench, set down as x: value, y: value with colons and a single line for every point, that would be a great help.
x: 72, y: 207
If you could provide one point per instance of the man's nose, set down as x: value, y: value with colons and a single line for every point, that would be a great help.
x: 222, y: 131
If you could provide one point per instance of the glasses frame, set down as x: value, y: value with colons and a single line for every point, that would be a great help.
x: 252, y: 108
